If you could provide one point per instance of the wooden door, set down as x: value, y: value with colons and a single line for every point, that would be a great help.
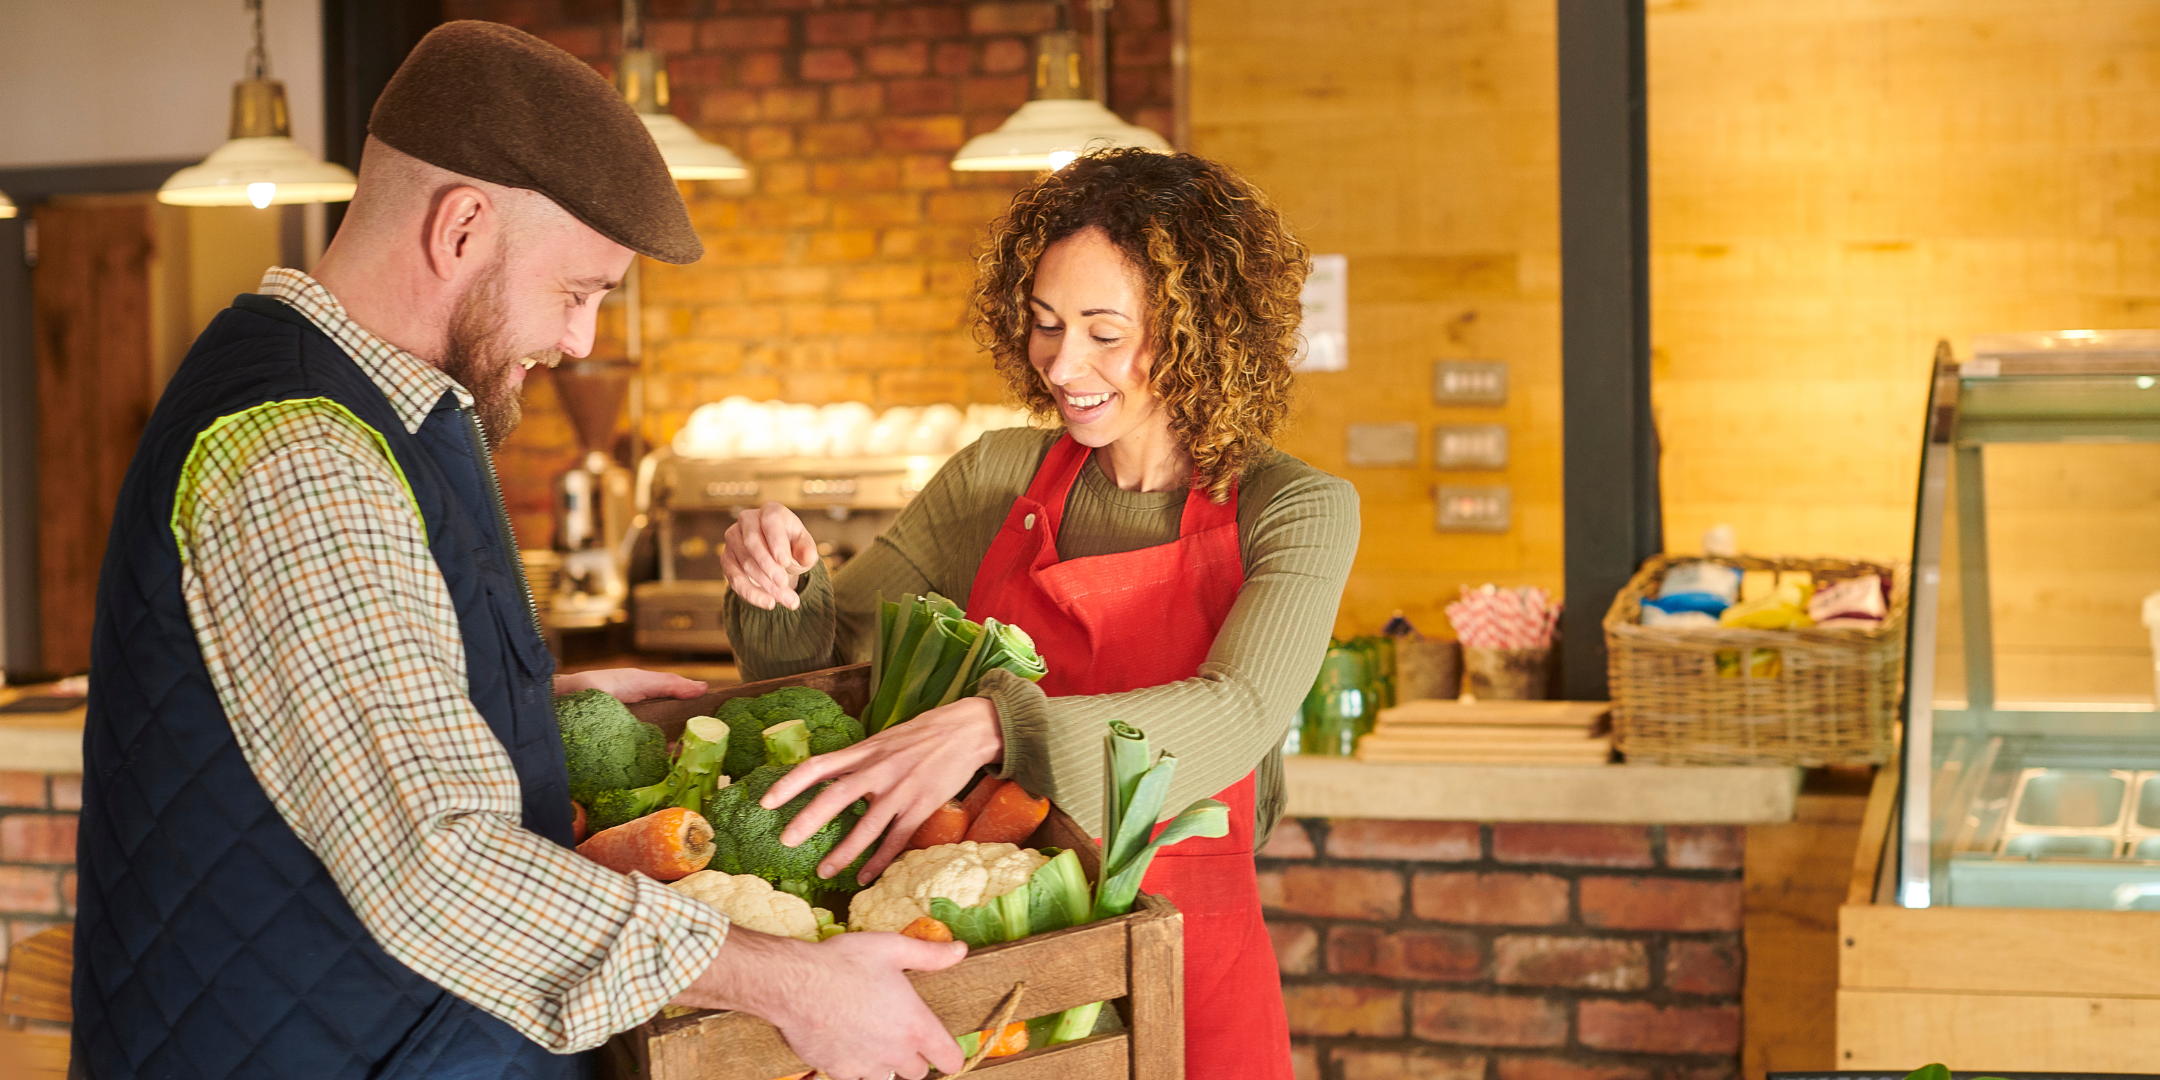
x: 92, y: 318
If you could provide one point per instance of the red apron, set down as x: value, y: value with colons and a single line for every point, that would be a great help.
x: 1111, y: 623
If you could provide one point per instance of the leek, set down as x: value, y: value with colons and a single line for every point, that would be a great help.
x: 928, y: 654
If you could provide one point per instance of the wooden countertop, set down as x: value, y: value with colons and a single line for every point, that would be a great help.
x: 1610, y: 794
x: 47, y: 742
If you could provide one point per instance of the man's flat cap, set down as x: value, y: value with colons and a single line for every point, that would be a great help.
x: 495, y: 103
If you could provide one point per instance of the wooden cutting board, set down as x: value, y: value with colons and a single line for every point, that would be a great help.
x: 1584, y: 715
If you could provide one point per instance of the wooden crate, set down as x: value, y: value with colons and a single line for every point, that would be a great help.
x: 1136, y: 961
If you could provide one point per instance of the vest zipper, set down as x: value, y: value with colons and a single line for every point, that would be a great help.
x: 502, y: 515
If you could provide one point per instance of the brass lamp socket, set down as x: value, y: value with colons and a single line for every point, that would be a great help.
x: 258, y: 109
x: 1057, y: 67
x: 642, y: 78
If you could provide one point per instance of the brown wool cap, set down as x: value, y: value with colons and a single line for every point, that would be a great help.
x: 495, y: 103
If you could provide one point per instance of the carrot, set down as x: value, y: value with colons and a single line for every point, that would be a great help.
x: 1011, y: 1042
x: 577, y: 822
x: 663, y: 845
x: 980, y: 797
x: 946, y: 825
x: 927, y: 929
x: 1010, y: 817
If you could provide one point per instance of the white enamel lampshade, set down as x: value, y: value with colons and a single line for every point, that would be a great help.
x: 260, y: 165
x: 1047, y: 134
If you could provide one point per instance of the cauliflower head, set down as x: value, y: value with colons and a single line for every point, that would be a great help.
x: 966, y: 873
x: 753, y: 903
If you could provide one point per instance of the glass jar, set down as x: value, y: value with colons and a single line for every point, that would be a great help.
x: 1339, y: 708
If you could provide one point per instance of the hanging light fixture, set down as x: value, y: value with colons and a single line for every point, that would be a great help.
x: 643, y: 81
x: 7, y: 206
x: 1060, y: 121
x: 259, y: 164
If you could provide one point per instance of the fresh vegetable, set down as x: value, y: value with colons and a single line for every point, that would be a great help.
x: 753, y: 903
x: 928, y: 654
x: 1136, y: 789
x: 747, y: 836
x: 946, y: 825
x: 1009, y: 817
x: 1014, y: 1040
x: 664, y: 846
x: 927, y: 929
x: 606, y: 748
x: 980, y: 797
x: 747, y: 718
x: 965, y: 874
x: 692, y: 780
x: 1134, y: 792
x: 1054, y: 897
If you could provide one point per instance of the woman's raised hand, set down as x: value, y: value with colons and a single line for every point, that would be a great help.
x: 764, y: 552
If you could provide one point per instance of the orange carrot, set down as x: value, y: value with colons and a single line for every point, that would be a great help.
x: 980, y: 797
x: 1009, y: 818
x: 946, y: 825
x: 1011, y: 1042
x: 577, y: 822
x: 663, y: 845
x: 927, y: 929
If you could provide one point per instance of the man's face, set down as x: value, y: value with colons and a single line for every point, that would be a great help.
x: 536, y: 303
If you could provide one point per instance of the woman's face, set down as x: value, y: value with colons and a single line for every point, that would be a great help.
x: 1088, y: 343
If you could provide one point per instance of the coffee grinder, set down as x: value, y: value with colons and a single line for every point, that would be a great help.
x: 593, y: 502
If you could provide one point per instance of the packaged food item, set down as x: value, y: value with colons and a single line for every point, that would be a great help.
x: 1851, y: 601
x: 1697, y: 586
x: 1653, y: 615
x: 1784, y: 608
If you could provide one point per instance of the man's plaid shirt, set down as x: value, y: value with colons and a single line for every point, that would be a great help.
x: 331, y: 638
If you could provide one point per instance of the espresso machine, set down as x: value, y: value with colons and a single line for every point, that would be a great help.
x: 843, y: 502
x: 594, y: 504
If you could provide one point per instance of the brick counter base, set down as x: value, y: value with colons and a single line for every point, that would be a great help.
x: 37, y: 859
x: 1460, y: 951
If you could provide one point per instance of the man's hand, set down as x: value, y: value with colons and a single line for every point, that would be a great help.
x: 845, y: 1005
x: 630, y: 685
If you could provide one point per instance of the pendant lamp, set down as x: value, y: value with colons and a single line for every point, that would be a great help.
x: 7, y: 206
x: 259, y: 164
x: 642, y: 77
x: 1059, y: 123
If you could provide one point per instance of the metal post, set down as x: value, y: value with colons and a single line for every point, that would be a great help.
x: 1609, y: 457
x: 1974, y: 600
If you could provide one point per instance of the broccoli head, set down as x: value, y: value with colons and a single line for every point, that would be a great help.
x: 746, y: 836
x: 747, y: 719
x: 605, y: 747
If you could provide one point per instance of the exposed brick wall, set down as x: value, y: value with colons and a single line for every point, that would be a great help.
x: 1458, y: 951
x: 37, y: 853
x: 839, y: 270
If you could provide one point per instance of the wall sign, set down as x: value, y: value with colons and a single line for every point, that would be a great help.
x: 1326, y: 326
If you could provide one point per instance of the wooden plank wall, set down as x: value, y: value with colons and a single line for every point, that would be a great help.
x: 1420, y: 140
x: 1836, y: 186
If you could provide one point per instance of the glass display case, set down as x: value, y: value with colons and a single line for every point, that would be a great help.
x: 2032, y: 748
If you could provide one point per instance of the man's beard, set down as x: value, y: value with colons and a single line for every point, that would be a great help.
x: 478, y: 355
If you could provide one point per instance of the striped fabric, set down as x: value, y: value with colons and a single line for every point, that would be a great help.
x: 1297, y: 529
x: 332, y: 640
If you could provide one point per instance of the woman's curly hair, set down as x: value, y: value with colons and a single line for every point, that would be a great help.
x: 1221, y: 275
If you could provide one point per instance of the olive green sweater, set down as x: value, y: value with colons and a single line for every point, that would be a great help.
x: 1297, y: 529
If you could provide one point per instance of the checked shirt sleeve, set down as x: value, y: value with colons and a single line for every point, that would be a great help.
x: 331, y: 638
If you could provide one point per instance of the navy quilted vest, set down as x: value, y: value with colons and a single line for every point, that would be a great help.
x: 209, y: 942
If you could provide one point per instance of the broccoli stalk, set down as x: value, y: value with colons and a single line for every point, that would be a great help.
x: 694, y: 778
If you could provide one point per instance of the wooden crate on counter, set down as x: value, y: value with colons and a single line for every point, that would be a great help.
x: 1135, y: 961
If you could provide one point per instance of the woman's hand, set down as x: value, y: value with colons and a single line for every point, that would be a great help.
x: 905, y: 771
x: 630, y: 685
x: 764, y: 552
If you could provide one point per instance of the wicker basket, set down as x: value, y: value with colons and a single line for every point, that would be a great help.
x: 1827, y: 697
